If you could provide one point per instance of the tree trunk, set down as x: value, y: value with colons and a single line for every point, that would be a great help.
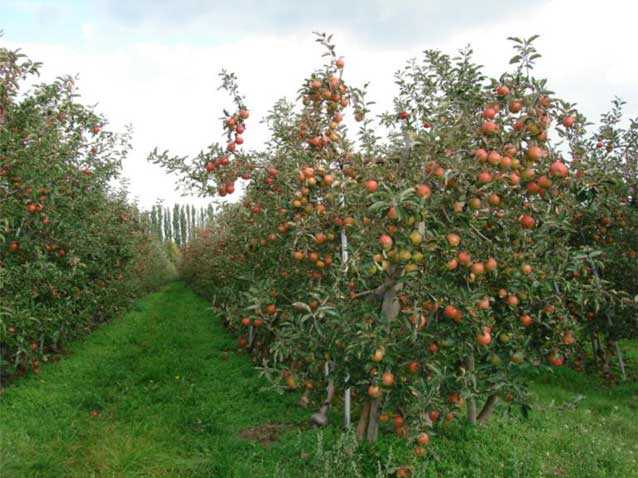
x: 320, y: 418
x: 488, y: 408
x: 621, y: 362
x: 471, y: 401
x: 373, y: 422
x: 603, y: 355
x: 391, y: 306
x: 594, y: 350
x: 368, y: 421
x: 363, y: 421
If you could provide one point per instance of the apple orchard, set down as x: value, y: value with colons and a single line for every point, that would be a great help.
x: 73, y: 250
x: 416, y: 278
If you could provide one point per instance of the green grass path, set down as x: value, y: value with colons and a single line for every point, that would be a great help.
x: 171, y: 403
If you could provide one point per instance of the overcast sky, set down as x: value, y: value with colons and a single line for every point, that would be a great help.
x: 154, y: 63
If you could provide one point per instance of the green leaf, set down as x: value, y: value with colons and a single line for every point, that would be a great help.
x: 378, y: 206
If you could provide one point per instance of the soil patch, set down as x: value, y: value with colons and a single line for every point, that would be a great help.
x: 264, y: 434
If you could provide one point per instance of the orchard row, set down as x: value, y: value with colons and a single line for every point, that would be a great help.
x: 73, y: 250
x: 422, y: 275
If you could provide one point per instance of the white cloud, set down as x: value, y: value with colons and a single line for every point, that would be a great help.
x: 169, y: 92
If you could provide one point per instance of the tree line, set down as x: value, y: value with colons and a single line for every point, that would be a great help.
x: 177, y: 224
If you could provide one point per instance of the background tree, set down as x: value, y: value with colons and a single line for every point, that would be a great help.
x: 177, y: 234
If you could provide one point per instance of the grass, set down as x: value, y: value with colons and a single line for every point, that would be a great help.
x: 171, y: 403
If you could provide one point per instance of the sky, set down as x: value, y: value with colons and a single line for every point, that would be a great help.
x: 154, y: 63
